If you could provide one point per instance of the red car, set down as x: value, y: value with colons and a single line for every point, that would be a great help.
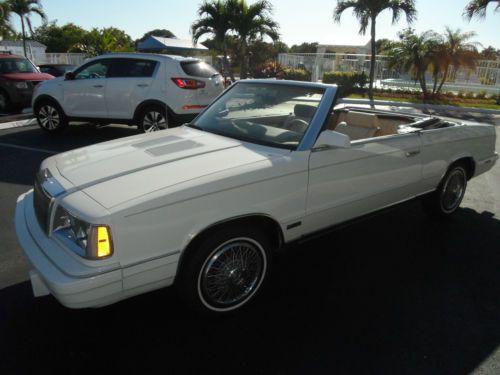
x: 18, y: 77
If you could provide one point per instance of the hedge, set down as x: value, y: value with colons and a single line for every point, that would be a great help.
x: 348, y: 82
x: 296, y: 74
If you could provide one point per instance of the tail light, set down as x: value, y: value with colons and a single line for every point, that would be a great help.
x: 188, y: 84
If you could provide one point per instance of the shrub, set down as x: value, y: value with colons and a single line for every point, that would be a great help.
x: 461, y: 94
x: 481, y: 95
x: 348, y: 82
x: 268, y: 70
x: 470, y: 95
x: 296, y: 74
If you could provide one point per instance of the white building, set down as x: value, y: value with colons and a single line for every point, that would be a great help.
x: 16, y: 47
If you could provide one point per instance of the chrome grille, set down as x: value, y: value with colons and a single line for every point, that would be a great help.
x: 41, y: 202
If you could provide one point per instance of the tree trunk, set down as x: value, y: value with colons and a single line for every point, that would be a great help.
x: 435, y: 78
x: 423, y: 84
x: 24, y: 36
x: 373, y: 60
x: 445, y: 74
x: 243, y: 67
x: 227, y: 68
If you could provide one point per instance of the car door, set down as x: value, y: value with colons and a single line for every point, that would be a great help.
x: 84, y: 95
x: 129, y: 83
x: 345, y: 183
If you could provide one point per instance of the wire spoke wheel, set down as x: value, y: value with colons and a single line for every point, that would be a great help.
x: 232, y: 274
x: 453, y: 190
x: 49, y: 117
x: 154, y: 121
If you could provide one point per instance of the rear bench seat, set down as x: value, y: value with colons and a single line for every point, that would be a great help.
x: 357, y: 125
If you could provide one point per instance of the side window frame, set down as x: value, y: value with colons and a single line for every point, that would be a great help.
x: 112, y: 69
x: 82, y: 68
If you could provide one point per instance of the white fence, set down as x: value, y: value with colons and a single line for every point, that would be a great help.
x: 486, y: 77
x: 58, y: 58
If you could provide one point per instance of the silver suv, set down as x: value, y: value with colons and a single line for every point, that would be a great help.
x: 151, y: 91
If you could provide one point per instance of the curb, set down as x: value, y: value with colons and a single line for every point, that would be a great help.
x: 419, y: 106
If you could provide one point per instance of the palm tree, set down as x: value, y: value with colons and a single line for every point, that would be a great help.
x: 367, y: 11
x: 251, y: 22
x: 457, y: 51
x: 24, y: 8
x: 477, y: 8
x: 6, y: 29
x: 415, y: 54
x: 215, y: 19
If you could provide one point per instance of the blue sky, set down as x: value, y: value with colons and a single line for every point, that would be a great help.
x: 300, y: 20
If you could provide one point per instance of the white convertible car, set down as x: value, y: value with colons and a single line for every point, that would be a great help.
x: 205, y: 205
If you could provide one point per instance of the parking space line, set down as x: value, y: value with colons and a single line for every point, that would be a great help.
x: 29, y: 148
x: 18, y: 124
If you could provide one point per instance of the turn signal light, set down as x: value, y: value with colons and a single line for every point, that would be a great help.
x: 100, y: 245
x: 103, y: 242
x: 188, y: 84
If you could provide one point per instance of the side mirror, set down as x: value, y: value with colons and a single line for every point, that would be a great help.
x: 69, y: 76
x: 330, y: 139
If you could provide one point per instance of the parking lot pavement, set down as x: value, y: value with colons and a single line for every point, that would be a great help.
x: 393, y: 294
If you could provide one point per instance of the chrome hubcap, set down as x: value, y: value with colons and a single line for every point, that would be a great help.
x: 453, y: 191
x: 49, y: 117
x: 154, y: 121
x: 232, y: 274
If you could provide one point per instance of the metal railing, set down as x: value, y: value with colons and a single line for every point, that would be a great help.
x: 486, y: 76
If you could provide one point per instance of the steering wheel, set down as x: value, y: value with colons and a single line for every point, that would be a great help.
x: 297, y: 125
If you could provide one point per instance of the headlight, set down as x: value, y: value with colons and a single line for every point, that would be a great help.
x: 21, y: 85
x: 87, y: 240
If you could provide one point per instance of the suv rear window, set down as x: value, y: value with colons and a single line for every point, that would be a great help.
x: 198, y: 69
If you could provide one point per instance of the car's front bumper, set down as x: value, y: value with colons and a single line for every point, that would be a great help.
x: 71, y: 290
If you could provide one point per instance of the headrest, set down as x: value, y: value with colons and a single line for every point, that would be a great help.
x: 304, y: 110
x: 362, y: 120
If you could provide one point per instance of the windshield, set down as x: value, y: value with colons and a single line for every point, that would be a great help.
x: 276, y: 115
x: 16, y: 66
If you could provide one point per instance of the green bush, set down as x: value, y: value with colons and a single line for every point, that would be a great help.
x: 296, y: 74
x: 348, y: 82
x: 470, y: 95
x: 481, y: 95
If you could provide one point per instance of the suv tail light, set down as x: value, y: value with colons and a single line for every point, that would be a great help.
x: 188, y: 84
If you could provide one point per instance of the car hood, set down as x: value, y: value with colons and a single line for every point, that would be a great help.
x: 120, y: 170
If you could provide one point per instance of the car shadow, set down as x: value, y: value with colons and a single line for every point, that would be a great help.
x: 397, y: 293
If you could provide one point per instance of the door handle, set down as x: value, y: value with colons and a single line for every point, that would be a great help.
x: 98, y: 86
x: 142, y: 85
x: 409, y: 154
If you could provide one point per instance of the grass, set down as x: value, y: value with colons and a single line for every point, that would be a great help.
x: 443, y: 100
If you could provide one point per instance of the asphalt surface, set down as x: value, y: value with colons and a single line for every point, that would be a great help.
x: 394, y: 294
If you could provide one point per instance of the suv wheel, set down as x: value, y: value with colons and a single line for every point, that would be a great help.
x: 153, y: 118
x: 50, y: 116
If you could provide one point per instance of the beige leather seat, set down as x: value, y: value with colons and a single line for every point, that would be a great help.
x: 357, y: 125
